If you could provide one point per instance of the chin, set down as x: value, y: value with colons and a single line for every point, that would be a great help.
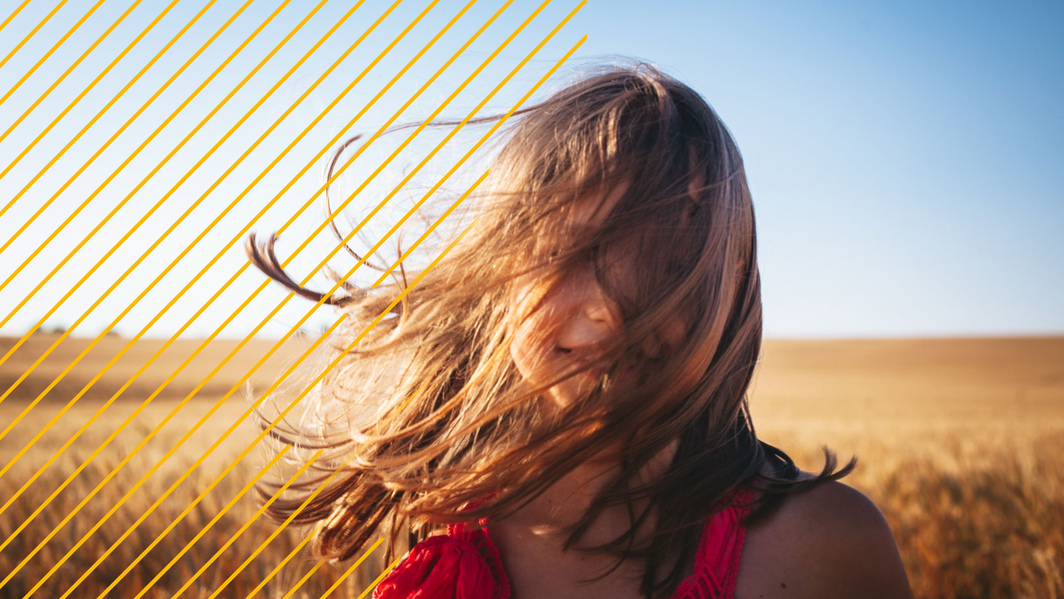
x: 571, y: 391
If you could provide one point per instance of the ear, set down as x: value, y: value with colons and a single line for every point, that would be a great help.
x: 695, y: 187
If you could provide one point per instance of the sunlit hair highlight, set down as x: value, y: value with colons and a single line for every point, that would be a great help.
x: 437, y: 415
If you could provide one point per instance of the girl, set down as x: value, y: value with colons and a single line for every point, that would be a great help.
x: 568, y: 395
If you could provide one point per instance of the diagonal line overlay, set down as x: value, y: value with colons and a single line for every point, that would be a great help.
x: 294, y: 328
x: 203, y: 345
x: 29, y: 35
x: 141, y: 333
x: 229, y: 431
x: 14, y: 14
x: 352, y: 345
x: 125, y: 237
x: 179, y: 220
x: 115, y: 136
x: 87, y: 89
x: 61, y: 525
x: 493, y: 130
x: 55, y: 47
x: 101, y: 112
x: 129, y: 345
x: 317, y: 379
x: 204, y: 530
x: 221, y: 549
x: 307, y: 352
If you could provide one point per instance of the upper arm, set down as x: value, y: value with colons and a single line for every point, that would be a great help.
x: 828, y: 542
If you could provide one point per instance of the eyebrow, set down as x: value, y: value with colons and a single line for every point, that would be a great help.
x: 584, y: 229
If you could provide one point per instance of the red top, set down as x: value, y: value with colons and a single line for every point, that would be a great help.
x: 464, y: 564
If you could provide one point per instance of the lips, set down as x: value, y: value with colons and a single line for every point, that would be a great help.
x: 583, y: 362
x: 594, y: 372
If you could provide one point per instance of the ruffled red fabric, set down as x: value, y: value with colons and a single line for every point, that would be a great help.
x: 443, y: 567
x: 464, y: 564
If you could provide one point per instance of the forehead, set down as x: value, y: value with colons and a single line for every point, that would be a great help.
x: 616, y: 260
x: 591, y: 211
x: 649, y: 239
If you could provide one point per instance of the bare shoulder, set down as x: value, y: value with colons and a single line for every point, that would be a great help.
x: 829, y: 541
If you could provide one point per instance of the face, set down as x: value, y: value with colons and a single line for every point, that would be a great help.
x: 564, y: 333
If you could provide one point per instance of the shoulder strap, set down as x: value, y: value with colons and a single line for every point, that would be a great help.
x: 719, y: 551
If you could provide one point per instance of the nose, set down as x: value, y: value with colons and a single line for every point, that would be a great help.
x: 589, y: 315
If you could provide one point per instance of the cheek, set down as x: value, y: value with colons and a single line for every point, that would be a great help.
x: 673, y: 333
x: 666, y: 341
x: 521, y: 349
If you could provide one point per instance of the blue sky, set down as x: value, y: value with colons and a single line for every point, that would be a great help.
x: 904, y: 157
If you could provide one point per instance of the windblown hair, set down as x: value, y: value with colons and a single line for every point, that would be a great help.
x: 455, y: 434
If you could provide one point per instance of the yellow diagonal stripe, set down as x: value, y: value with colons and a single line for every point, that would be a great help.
x: 400, y: 185
x: 85, y: 91
x: 159, y: 352
x: 101, y: 112
x: 333, y: 364
x: 206, y: 527
x: 122, y: 129
x: 374, y: 584
x: 305, y: 578
x: 218, y: 442
x: 464, y: 196
x: 14, y: 14
x: 378, y: 96
x: 30, y: 35
x: 351, y: 569
x: 351, y: 346
x: 280, y: 491
x: 55, y: 47
x: 231, y: 503
x: 309, y: 312
x: 133, y: 229
x: 114, y: 173
x: 232, y: 538
x: 183, y: 253
x: 204, y: 344
x: 295, y: 402
x: 130, y: 344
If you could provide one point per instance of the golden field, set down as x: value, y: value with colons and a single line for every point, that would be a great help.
x: 960, y: 442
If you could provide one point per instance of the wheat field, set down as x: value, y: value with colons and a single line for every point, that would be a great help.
x: 960, y: 442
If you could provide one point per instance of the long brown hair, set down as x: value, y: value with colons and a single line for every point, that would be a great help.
x: 451, y: 422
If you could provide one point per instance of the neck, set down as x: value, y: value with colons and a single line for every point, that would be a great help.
x: 565, y: 502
